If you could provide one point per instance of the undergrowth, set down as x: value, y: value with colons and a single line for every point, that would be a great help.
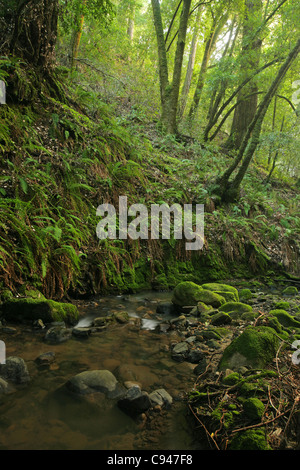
x: 59, y: 161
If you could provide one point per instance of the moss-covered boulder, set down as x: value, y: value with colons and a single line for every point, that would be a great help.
x: 236, y: 309
x: 285, y: 318
x: 254, y: 408
x: 211, y: 298
x: 223, y: 289
x: 220, y: 318
x: 251, y: 439
x: 282, y: 305
x: 228, y: 296
x: 29, y: 309
x: 255, y: 347
x: 186, y: 293
x: 121, y: 317
x: 290, y: 291
x: 203, y: 308
x: 245, y: 294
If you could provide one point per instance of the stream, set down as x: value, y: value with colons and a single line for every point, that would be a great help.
x: 43, y: 415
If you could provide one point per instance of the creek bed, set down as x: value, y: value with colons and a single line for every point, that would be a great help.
x: 43, y: 415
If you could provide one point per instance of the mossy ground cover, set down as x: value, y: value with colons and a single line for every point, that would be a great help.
x: 248, y: 391
x: 249, y: 409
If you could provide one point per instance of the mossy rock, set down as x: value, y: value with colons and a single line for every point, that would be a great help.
x: 249, y: 389
x: 220, y: 318
x: 203, y: 308
x: 121, y: 317
x: 34, y: 309
x: 290, y: 291
x: 31, y: 293
x: 222, y: 288
x: 5, y: 295
x: 255, y: 347
x: 245, y: 294
x: 251, y: 439
x: 249, y: 316
x: 236, y: 309
x: 211, y: 298
x: 228, y: 296
x: 186, y: 293
x: 282, y: 305
x: 232, y: 378
x: 285, y: 318
x: 254, y: 408
x: 274, y: 323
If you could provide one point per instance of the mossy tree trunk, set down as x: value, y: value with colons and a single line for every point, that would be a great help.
x: 35, y: 31
x: 169, y: 91
x: 190, y: 67
x: 30, y: 34
x: 251, y: 49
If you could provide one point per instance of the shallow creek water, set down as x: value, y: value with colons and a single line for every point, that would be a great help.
x: 44, y: 415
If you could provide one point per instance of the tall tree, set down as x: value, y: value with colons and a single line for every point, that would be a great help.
x: 33, y: 27
x: 219, y: 20
x: 229, y: 190
x: 169, y: 90
x: 251, y: 48
x: 190, y: 67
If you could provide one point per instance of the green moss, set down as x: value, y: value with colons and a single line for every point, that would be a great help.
x: 219, y: 414
x: 255, y: 347
x: 282, y: 305
x: 254, y: 408
x: 29, y: 309
x: 232, y: 379
x: 222, y: 289
x: 245, y: 294
x: 290, y: 291
x: 211, y: 298
x: 248, y: 389
x: 228, y: 296
x: 220, y: 318
x: 274, y: 323
x: 236, y: 309
x: 32, y: 294
x: 187, y: 293
x: 251, y: 439
x: 202, y: 307
x: 285, y: 318
x: 5, y: 295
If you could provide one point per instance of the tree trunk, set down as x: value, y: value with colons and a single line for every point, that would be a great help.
x: 203, y: 70
x: 229, y: 191
x: 174, y: 95
x: 190, y: 68
x: 130, y: 24
x: 209, y: 45
x: 245, y: 111
x: 77, y: 39
x: 219, y: 91
x: 170, y: 91
x: 162, y: 57
x: 35, y: 31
